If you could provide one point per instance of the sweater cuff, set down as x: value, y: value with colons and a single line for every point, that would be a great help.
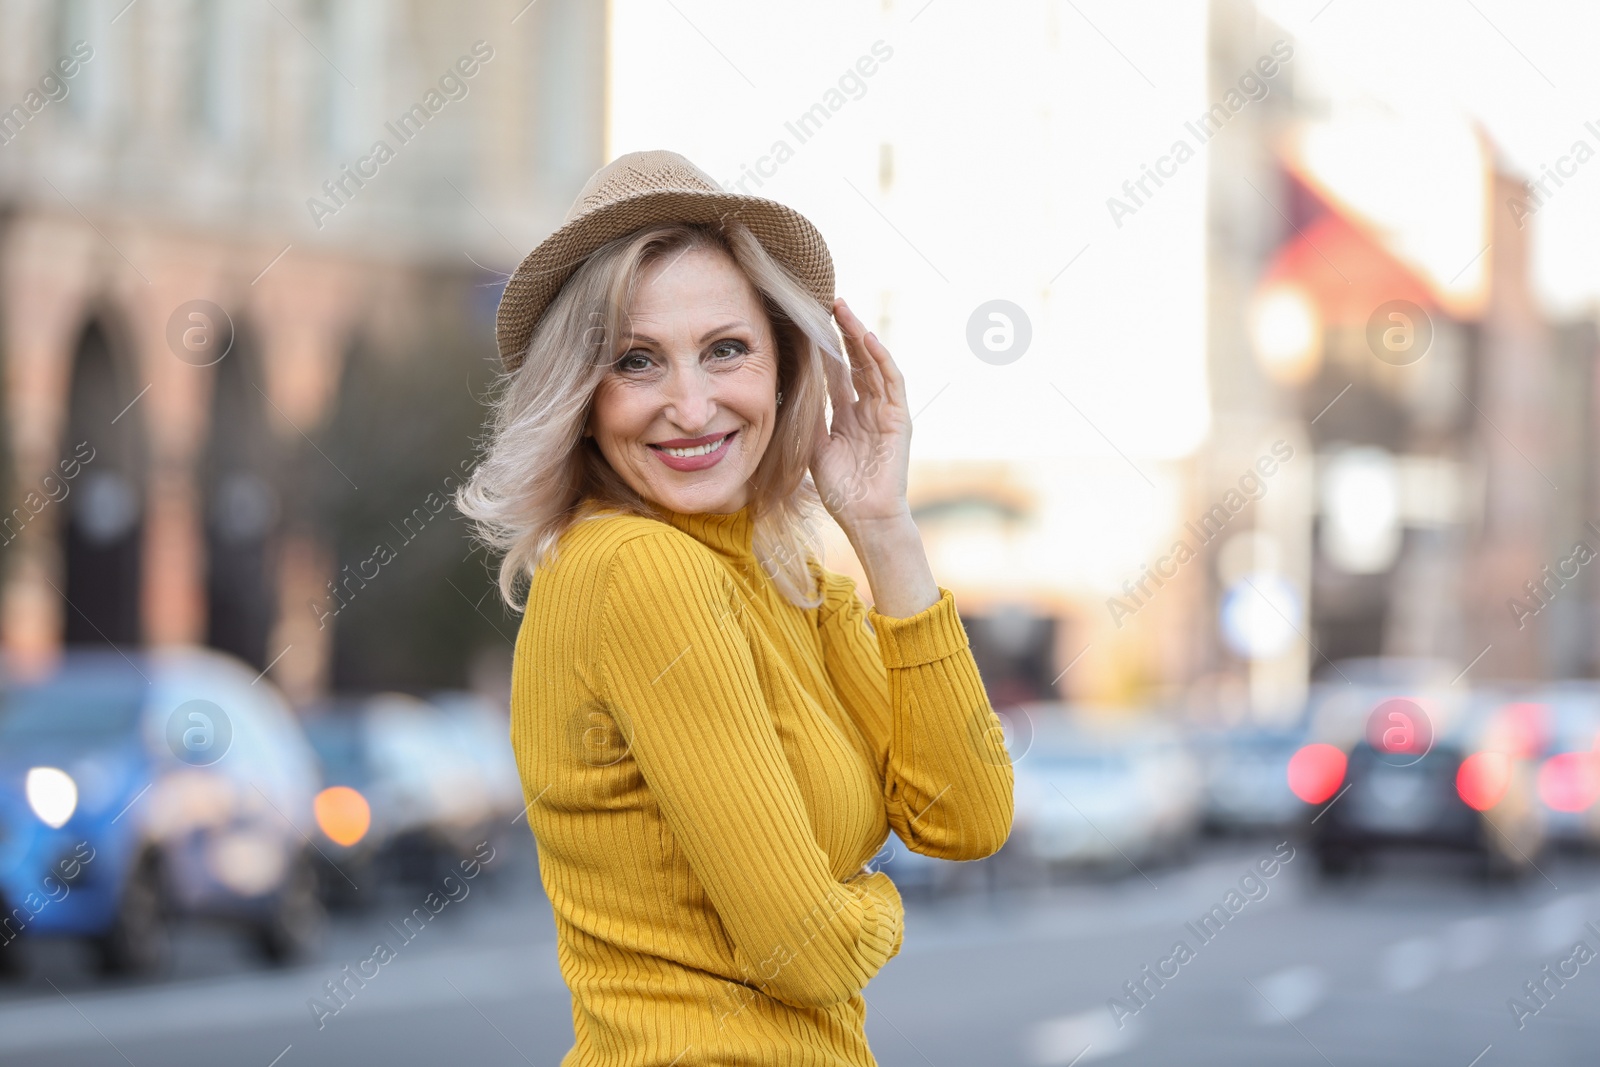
x: 886, y: 912
x: 931, y: 634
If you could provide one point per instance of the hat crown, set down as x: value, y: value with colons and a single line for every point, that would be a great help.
x: 655, y: 171
x: 637, y: 190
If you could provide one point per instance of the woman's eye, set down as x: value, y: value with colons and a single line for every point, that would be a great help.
x: 729, y: 349
x: 632, y: 361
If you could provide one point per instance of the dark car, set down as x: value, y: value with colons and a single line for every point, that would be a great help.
x: 404, y: 796
x: 141, y: 787
x: 1430, y: 768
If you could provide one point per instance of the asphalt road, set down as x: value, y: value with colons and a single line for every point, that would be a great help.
x: 1415, y: 964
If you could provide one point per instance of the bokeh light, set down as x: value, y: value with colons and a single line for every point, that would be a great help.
x: 343, y: 814
x: 1570, y: 781
x: 1316, y: 772
x: 1483, y: 778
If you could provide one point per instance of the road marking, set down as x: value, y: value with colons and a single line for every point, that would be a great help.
x: 1285, y: 1017
x: 1409, y: 964
x: 1068, y: 1040
x: 1290, y: 994
x: 1557, y: 923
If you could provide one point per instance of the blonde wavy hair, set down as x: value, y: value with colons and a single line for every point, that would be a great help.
x: 536, y: 469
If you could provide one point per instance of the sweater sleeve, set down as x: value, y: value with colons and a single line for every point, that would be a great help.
x: 914, y: 690
x: 677, y: 674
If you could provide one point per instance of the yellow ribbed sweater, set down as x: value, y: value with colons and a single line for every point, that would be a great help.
x: 709, y: 769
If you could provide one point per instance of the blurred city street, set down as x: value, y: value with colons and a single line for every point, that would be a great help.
x: 1252, y: 349
x: 1414, y: 967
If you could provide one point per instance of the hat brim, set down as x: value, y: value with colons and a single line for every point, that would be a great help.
x: 785, y: 233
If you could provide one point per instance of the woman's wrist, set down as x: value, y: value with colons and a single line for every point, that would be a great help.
x: 891, y: 552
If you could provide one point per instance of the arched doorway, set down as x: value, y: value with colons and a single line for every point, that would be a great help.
x: 239, y: 479
x: 102, y: 528
x: 409, y: 606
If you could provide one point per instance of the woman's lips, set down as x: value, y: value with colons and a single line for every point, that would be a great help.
x: 695, y: 463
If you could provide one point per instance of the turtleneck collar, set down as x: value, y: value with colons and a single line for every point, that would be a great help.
x: 730, y: 535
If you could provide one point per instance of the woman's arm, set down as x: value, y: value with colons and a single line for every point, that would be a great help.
x: 910, y: 683
x: 913, y: 689
x: 891, y: 552
x: 676, y: 672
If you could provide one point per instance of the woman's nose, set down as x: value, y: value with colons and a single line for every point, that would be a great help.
x: 690, y: 399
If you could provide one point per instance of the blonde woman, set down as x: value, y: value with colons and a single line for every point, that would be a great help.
x: 715, y: 734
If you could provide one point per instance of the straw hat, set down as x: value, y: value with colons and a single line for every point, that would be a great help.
x: 635, y: 190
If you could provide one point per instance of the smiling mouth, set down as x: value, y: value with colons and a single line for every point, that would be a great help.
x: 697, y: 450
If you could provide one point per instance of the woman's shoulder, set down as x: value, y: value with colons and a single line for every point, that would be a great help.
x: 602, y: 540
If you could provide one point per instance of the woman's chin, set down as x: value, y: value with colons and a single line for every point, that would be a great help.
x: 720, y: 497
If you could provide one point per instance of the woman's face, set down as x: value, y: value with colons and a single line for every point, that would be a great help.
x: 686, y: 411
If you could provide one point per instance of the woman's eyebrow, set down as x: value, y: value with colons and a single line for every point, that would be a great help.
x: 724, y: 328
x: 637, y: 338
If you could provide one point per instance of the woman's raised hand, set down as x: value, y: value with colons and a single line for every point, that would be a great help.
x: 860, y: 464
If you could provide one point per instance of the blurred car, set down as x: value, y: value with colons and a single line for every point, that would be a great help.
x: 141, y: 787
x: 403, y: 796
x: 1102, y: 790
x: 483, y: 731
x: 1559, y: 725
x: 1245, y: 769
x: 1418, y: 763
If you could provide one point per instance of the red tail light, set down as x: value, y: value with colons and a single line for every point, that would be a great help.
x: 1316, y: 772
x: 1570, y: 781
x: 1483, y: 778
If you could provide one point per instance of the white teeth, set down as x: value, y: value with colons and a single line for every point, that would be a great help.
x: 685, y: 453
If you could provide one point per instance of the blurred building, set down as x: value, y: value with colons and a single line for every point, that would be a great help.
x: 206, y: 206
x: 1391, y: 416
x: 1372, y: 303
x: 237, y: 241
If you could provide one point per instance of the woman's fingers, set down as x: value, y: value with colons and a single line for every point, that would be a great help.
x: 839, y: 375
x: 839, y: 380
x: 843, y: 394
x: 852, y: 348
x: 869, y: 373
x: 890, y: 372
x: 888, y: 384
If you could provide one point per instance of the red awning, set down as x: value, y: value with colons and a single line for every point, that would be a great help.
x: 1345, y: 272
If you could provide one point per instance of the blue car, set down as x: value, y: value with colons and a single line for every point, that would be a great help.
x: 144, y: 787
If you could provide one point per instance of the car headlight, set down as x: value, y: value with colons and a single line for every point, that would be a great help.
x: 52, y: 794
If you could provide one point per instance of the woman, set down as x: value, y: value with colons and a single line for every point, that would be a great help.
x: 715, y: 735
